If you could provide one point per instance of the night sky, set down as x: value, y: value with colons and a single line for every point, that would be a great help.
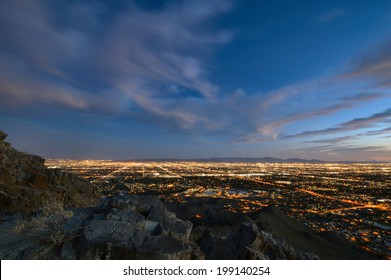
x: 197, y: 79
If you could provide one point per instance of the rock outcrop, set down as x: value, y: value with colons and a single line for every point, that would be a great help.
x: 121, y: 227
x: 135, y: 227
x: 27, y: 185
x: 139, y: 227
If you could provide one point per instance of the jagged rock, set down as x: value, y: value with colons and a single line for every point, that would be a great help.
x: 107, y: 251
x: 125, y: 233
x: 159, y: 218
x: 130, y: 216
x: 73, y: 226
x: 153, y: 228
x: 68, y: 251
x: 119, y: 233
x: 164, y: 247
x: 210, y: 245
x: 144, y: 204
x: 2, y: 135
x: 118, y: 202
x: 196, y: 252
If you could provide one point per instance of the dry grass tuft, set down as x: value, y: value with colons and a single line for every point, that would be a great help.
x: 47, y: 226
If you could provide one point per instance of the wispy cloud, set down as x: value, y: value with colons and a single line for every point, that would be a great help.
x: 385, y: 132
x: 374, y: 65
x: 347, y: 102
x: 333, y: 140
x: 343, y: 151
x: 136, y: 61
x: 355, y: 124
x: 364, y: 97
x: 166, y: 47
x: 332, y: 15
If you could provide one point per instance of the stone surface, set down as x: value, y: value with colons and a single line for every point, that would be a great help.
x: 165, y: 247
x: 68, y: 251
x: 116, y: 232
x: 149, y: 231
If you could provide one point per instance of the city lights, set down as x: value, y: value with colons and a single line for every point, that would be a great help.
x: 350, y: 200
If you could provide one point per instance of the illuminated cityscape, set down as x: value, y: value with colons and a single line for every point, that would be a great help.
x: 350, y: 200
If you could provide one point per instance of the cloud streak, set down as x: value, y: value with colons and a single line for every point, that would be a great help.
x: 347, y: 103
x: 374, y: 65
x: 351, y: 152
x: 332, y: 15
x: 355, y: 124
x: 138, y: 47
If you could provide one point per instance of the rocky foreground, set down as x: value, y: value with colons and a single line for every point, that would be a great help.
x: 48, y: 214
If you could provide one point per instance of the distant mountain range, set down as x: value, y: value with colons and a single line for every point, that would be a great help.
x: 253, y: 160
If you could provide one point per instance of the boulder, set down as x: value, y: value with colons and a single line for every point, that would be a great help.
x: 117, y: 202
x: 73, y: 226
x: 179, y: 229
x: 164, y: 247
x: 159, y: 218
x: 68, y: 251
x: 144, y: 203
x: 119, y: 233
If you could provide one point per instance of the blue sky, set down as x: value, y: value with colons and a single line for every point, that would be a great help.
x: 191, y: 79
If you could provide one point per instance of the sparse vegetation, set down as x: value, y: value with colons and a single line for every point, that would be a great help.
x: 47, y: 226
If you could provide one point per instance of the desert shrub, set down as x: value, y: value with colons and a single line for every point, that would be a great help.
x: 47, y: 225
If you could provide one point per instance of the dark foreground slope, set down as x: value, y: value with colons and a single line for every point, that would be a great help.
x: 27, y: 185
x: 269, y: 233
x: 48, y: 214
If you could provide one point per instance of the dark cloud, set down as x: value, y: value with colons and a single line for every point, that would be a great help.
x: 383, y: 131
x: 333, y: 140
x: 343, y: 152
x: 364, y: 96
x: 355, y: 124
x: 342, y: 139
x: 347, y: 103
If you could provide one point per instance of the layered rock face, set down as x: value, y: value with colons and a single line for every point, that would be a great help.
x: 26, y: 184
